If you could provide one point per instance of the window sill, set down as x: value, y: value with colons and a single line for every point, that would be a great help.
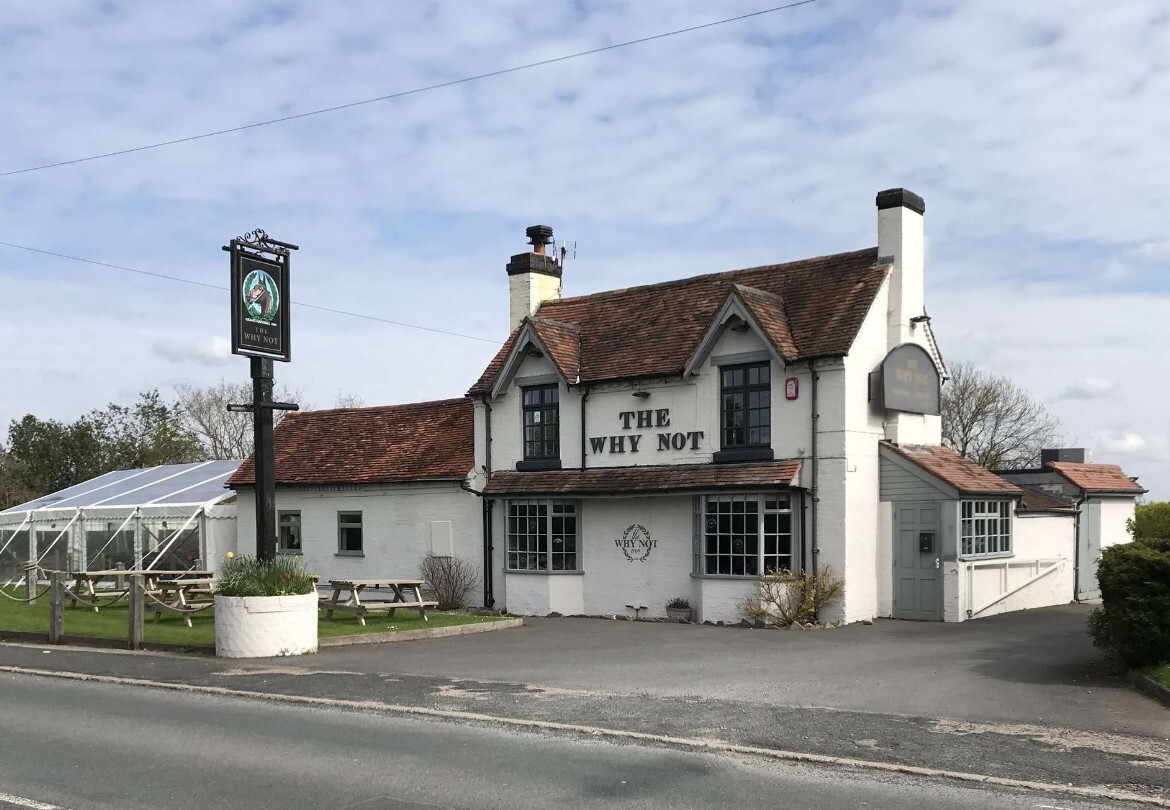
x: 289, y: 553
x: 981, y: 557
x: 743, y: 577
x: 538, y: 464
x: 350, y: 554
x: 737, y: 454
x: 547, y: 573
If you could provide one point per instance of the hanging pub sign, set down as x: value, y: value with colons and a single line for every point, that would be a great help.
x: 260, y: 301
x: 907, y: 380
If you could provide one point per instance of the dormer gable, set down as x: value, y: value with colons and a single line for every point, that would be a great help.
x: 559, y: 342
x: 748, y: 308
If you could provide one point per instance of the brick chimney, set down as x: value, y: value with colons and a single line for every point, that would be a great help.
x: 900, y: 238
x: 533, y: 278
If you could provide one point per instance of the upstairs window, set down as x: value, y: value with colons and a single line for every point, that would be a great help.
x: 746, y: 411
x: 542, y: 418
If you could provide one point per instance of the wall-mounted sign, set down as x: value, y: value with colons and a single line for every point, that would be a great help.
x: 908, y: 380
x: 791, y: 388
x: 636, y: 543
x: 260, y: 307
x: 637, y: 420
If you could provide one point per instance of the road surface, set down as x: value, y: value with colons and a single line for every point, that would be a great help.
x: 79, y: 746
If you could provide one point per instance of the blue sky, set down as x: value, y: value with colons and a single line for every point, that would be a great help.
x: 1035, y: 131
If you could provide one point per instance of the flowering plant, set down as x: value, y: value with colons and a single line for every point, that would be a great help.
x: 247, y: 576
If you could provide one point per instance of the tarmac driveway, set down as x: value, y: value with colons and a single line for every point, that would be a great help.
x: 1035, y: 667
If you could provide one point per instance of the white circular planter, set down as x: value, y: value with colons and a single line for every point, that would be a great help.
x: 265, y: 626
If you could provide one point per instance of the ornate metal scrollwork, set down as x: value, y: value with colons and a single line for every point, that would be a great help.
x: 258, y: 240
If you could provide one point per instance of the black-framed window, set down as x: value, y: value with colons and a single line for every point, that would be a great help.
x: 745, y: 535
x: 349, y: 533
x: 289, y: 532
x: 543, y: 536
x: 745, y: 414
x: 542, y: 421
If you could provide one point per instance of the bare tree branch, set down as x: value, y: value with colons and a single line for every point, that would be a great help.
x: 994, y: 422
x: 225, y: 435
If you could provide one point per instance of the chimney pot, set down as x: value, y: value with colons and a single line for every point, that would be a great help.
x: 900, y: 198
x: 538, y: 237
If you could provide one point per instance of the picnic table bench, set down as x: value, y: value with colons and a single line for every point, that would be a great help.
x: 182, y: 592
x: 406, y: 593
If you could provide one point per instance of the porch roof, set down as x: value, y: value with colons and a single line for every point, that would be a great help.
x: 657, y: 479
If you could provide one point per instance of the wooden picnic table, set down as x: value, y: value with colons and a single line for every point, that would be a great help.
x: 87, y: 585
x: 406, y: 593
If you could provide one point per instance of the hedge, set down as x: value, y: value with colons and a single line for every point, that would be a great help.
x: 1133, y: 621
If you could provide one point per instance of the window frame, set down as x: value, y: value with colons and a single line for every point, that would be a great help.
x: 342, y: 525
x: 540, y: 546
x: 783, y: 506
x: 543, y: 408
x: 745, y: 391
x: 976, y: 511
x: 280, y: 525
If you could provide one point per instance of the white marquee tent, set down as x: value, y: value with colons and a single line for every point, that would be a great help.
x: 172, y: 517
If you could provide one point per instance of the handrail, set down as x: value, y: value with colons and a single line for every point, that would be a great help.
x: 1054, y: 565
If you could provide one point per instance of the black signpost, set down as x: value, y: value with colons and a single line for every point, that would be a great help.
x: 260, y: 330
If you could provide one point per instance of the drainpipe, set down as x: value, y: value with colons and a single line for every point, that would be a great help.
x: 584, y: 396
x: 813, y: 490
x: 489, y: 598
x: 1077, y: 549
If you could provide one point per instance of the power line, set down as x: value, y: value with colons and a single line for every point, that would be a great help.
x: 404, y: 93
x: 181, y: 280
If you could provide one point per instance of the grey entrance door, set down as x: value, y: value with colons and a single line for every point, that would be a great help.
x: 917, y: 561
x: 1089, y: 553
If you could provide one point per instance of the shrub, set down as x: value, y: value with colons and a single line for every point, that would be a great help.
x: 451, y: 578
x: 247, y: 576
x: 1133, y: 621
x: 679, y: 603
x: 784, y: 598
x: 1150, y: 521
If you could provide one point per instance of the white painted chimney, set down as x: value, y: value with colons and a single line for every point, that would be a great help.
x: 533, y: 278
x: 900, y: 238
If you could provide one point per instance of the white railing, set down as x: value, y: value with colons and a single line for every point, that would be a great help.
x: 1035, y: 569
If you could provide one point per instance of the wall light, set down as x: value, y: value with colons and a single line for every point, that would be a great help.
x: 641, y: 394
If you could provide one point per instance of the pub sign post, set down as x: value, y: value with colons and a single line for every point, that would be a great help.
x: 260, y: 330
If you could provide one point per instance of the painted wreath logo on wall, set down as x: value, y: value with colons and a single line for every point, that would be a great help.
x: 261, y: 297
x: 636, y: 543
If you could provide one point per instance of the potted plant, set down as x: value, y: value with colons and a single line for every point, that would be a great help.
x: 264, y: 609
x: 678, y: 609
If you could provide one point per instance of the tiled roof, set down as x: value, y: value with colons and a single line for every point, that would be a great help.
x: 644, y: 479
x: 563, y: 341
x: 955, y: 469
x: 653, y: 330
x: 768, y: 310
x: 1099, y: 478
x: 396, y: 443
x: 1036, y: 500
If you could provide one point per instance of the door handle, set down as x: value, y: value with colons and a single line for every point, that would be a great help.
x: 936, y: 561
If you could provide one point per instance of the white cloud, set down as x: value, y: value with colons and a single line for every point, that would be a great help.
x: 212, y: 351
x: 1089, y: 388
x: 1125, y: 443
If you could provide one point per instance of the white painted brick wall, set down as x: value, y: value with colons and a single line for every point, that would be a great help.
x: 396, y: 528
x: 265, y: 626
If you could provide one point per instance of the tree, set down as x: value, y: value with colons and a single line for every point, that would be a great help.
x: 993, y: 421
x: 225, y: 435
x: 46, y: 455
x: 13, y: 490
x: 1151, y: 521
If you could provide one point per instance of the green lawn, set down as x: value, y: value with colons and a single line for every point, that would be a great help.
x: 113, y: 621
x: 1161, y: 674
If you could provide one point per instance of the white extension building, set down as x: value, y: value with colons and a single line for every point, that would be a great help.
x: 679, y: 440
x: 171, y: 517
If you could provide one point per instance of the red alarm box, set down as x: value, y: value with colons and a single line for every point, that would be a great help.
x: 791, y: 388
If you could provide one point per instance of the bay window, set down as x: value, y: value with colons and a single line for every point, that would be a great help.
x: 745, y: 535
x: 543, y: 536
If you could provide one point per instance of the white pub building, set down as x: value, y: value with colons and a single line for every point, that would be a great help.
x: 681, y: 439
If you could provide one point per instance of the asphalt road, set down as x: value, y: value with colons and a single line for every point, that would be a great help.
x: 80, y: 746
